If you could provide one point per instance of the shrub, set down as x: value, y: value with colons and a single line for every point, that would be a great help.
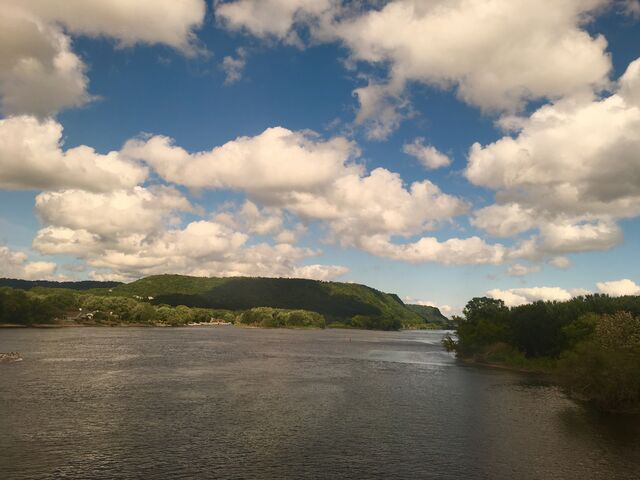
x: 605, y: 369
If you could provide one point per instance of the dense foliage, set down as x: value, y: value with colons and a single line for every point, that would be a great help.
x: 276, y: 318
x: 178, y: 300
x: 432, y: 316
x: 48, y: 306
x: 29, y: 284
x: 350, y: 304
x: 21, y: 307
x: 592, y: 341
x: 605, y: 367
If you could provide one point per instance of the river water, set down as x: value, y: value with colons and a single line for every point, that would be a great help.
x: 154, y: 403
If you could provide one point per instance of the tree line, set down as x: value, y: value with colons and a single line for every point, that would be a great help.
x: 590, y: 343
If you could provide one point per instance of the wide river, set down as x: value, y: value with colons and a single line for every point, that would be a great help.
x: 153, y: 403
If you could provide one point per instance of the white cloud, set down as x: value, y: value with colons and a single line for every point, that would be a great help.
x: 233, y: 67
x: 252, y: 219
x: 381, y: 109
x: 277, y: 159
x: 571, y: 170
x: 454, y: 251
x: 126, y: 234
x: 16, y: 265
x: 497, y: 55
x: 519, y: 296
x: 202, y: 248
x: 139, y: 210
x: 317, y: 180
x: 581, y: 237
x: 619, y: 288
x: 270, y: 18
x: 429, y: 156
x: 578, y: 156
x: 379, y: 203
x: 520, y: 270
x: 504, y: 220
x: 169, y: 22
x: 319, y: 272
x: 39, y: 72
x: 560, y: 262
x: 32, y: 157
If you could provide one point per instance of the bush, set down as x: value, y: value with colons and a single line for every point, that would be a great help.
x: 605, y: 369
x: 276, y: 318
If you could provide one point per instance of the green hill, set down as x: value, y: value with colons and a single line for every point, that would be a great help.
x: 30, y: 284
x: 429, y: 314
x: 349, y: 303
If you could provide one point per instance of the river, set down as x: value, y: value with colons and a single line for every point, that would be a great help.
x: 234, y: 403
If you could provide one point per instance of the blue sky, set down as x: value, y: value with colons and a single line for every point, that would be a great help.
x: 349, y: 89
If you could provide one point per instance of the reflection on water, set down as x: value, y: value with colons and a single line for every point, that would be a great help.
x: 250, y: 403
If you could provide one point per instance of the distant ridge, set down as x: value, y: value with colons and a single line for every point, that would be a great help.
x: 350, y: 304
x: 81, y: 285
x: 429, y: 313
x: 335, y: 300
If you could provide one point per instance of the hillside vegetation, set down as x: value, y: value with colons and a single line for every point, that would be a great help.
x: 30, y: 284
x: 178, y: 299
x: 432, y: 316
x: 591, y: 343
x: 337, y: 302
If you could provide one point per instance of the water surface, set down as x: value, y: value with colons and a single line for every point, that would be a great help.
x: 101, y: 403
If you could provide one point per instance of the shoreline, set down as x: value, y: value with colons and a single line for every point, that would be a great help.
x: 502, y: 366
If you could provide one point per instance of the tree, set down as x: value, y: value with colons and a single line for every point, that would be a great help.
x: 604, y: 368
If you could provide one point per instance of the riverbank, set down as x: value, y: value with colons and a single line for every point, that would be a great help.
x: 536, y: 370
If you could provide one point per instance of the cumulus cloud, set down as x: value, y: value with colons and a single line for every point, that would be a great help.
x: 318, y: 180
x: 277, y: 159
x: 519, y: 296
x: 307, y: 176
x: 520, y: 270
x: 496, y: 55
x: 201, y: 248
x: 126, y: 234
x: 39, y: 72
x: 430, y: 157
x: 560, y: 262
x: 379, y: 203
x: 619, y: 288
x: 32, y: 157
x: 271, y: 18
x: 253, y: 219
x: 168, y: 22
x: 571, y: 170
x: 140, y: 210
x: 16, y: 265
x: 454, y: 251
x: 233, y: 67
x: 504, y: 220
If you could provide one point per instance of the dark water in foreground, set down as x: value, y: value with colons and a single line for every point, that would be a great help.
x: 102, y: 403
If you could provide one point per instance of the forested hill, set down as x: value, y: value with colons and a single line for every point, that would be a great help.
x: 430, y: 314
x: 29, y: 284
x: 336, y: 301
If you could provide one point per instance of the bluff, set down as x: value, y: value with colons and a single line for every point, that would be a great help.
x: 335, y: 300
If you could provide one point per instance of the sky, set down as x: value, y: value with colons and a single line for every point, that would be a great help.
x: 438, y: 149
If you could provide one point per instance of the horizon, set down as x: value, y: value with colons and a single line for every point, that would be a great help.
x: 320, y: 140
